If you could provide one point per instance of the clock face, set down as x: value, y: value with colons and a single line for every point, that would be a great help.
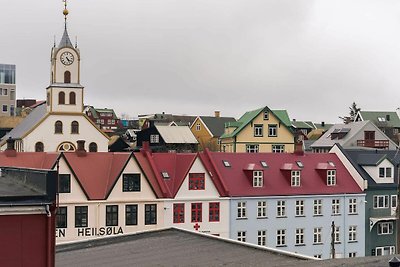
x: 67, y: 58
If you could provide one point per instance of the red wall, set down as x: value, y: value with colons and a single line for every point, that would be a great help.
x: 25, y: 240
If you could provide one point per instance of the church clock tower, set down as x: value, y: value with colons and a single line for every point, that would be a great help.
x: 65, y: 93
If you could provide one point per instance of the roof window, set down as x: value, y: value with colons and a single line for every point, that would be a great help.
x: 264, y: 164
x: 165, y: 174
x: 300, y: 164
x: 226, y: 163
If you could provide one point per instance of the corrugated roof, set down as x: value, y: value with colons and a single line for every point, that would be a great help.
x: 34, y: 160
x: 216, y: 125
x: 176, y: 134
x: 380, y: 118
x: 276, y: 181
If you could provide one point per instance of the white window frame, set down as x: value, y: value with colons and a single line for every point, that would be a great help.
x: 331, y: 177
x: 352, y: 254
x: 381, y: 198
x: 385, y: 228
x: 154, y: 138
x: 281, y: 208
x: 336, y: 234
x: 262, y: 209
x: 280, y: 237
x: 385, y: 172
x: 299, y: 239
x: 278, y: 148
x: 317, y: 207
x: 241, y: 210
x: 241, y: 236
x: 317, y: 237
x: 258, y: 178
x: 352, y: 233
x: 250, y: 148
x: 258, y: 130
x: 379, y: 251
x: 299, y: 208
x: 393, y: 201
x: 6, y: 108
x: 353, y: 206
x: 266, y: 115
x: 198, y: 126
x: 295, y: 178
x: 262, y: 237
x: 336, y: 206
x: 272, y: 130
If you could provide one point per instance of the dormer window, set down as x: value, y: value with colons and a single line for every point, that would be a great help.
x: 385, y: 172
x: 331, y: 177
x: 196, y: 181
x: 257, y: 178
x: 295, y: 178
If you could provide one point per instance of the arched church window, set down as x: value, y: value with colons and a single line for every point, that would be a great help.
x: 58, y: 127
x: 67, y: 77
x: 61, y: 98
x: 39, y: 147
x: 92, y: 147
x: 74, y: 127
x: 72, y: 98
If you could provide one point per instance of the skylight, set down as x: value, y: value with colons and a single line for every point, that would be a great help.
x: 226, y: 163
x: 300, y: 164
x: 331, y: 163
x: 264, y: 164
x: 381, y: 119
x: 165, y: 174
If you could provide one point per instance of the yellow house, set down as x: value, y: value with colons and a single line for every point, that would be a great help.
x: 208, y: 129
x: 260, y: 130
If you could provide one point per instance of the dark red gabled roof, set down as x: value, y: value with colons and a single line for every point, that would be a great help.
x: 97, y: 172
x: 276, y: 182
x: 34, y: 160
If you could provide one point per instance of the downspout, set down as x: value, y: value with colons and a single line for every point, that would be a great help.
x: 50, y: 236
x: 234, y: 144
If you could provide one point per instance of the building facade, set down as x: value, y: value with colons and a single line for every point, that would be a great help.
x: 7, y: 89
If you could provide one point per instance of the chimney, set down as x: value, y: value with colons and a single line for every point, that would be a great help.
x: 81, y: 152
x: 10, y: 150
x: 323, y: 124
x: 145, y: 147
x: 298, y: 148
x: 217, y: 113
x: 388, y: 117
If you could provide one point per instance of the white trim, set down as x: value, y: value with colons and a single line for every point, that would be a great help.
x: 22, y: 210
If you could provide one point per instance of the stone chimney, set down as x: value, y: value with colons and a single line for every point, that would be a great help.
x: 217, y: 113
x: 80, y: 151
x: 298, y: 148
x: 10, y: 150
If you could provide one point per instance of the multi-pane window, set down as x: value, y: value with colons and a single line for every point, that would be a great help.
x: 241, y: 210
x: 335, y: 206
x: 266, y: 115
x: 352, y: 206
x: 381, y: 202
x: 385, y: 228
x: 281, y: 208
x: 74, y: 127
x: 272, y: 130
x: 81, y: 216
x: 197, y: 212
x: 58, y: 127
x: 131, y: 182
x: 64, y: 184
x: 39, y: 147
x: 352, y: 254
x: 179, y: 212
x: 317, y: 207
x: 241, y: 236
x: 196, y: 181
x: 92, y: 147
x: 295, y: 178
x: 281, y: 237
x: 336, y: 234
x: 198, y: 126
x: 154, y: 138
x: 258, y: 130
x: 131, y: 214
x: 300, y: 236
x: 299, y: 207
x: 213, y: 209
x: 61, y: 221
x: 150, y: 214
x: 111, y: 215
x: 5, y: 108
x: 257, y: 178
x: 331, y: 177
x: 385, y: 172
x: 317, y: 235
x: 352, y: 233
x: 252, y: 148
x: 278, y: 148
x: 393, y: 201
x: 261, y: 209
x: 388, y: 250
x: 261, y: 237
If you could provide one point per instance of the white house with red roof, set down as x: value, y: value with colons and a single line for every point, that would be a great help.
x: 293, y: 201
x: 197, y: 201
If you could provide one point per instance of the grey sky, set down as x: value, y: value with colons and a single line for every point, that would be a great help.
x: 313, y: 58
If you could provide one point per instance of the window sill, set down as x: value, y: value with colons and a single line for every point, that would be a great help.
x: 300, y: 245
x: 281, y: 246
x: 352, y: 214
x: 281, y: 216
x: 317, y: 244
x: 353, y: 241
x: 336, y: 214
x: 262, y: 218
x: 318, y: 215
x: 299, y: 216
x: 244, y: 218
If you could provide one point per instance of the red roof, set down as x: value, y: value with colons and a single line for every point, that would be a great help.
x: 276, y: 179
x: 97, y: 172
x: 34, y: 160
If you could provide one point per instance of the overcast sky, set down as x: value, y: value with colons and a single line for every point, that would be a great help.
x: 312, y: 58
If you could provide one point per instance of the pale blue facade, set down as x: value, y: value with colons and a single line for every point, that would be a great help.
x: 350, y: 222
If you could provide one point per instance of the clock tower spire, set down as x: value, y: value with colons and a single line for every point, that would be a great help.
x: 65, y: 94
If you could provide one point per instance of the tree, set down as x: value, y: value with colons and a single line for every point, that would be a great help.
x: 353, y: 113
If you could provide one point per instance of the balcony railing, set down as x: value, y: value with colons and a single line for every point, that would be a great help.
x: 373, y: 143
